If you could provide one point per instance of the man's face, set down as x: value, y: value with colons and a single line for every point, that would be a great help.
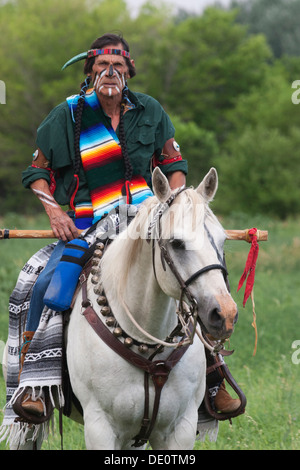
x: 110, y: 73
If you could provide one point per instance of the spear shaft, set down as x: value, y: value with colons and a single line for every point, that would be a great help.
x: 262, y: 235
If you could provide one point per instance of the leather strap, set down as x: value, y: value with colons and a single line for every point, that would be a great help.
x: 158, y: 370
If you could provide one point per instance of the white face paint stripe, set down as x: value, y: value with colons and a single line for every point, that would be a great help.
x: 120, y: 77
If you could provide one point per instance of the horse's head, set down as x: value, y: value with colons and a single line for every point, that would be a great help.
x: 190, y: 261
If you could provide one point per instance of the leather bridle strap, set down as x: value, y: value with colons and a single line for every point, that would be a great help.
x: 166, y: 258
x: 184, y: 284
x: 204, y: 270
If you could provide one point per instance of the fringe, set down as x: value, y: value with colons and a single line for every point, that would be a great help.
x: 208, y: 429
x: 19, y: 434
x: 56, y: 397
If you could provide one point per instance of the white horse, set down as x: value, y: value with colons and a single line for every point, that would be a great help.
x: 142, y: 286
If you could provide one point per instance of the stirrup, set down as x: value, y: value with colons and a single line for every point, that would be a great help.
x: 24, y: 416
x: 221, y: 369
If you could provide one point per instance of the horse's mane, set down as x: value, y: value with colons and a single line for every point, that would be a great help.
x: 125, y: 249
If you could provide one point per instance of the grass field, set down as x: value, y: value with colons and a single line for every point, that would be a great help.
x: 270, y: 379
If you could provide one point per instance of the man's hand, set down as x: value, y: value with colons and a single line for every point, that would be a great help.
x: 62, y: 225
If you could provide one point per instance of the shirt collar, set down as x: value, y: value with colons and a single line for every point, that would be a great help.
x: 135, y: 100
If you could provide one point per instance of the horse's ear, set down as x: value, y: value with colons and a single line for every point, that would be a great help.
x: 209, y: 185
x: 160, y: 185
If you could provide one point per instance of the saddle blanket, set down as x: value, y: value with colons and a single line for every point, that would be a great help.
x: 42, y: 367
x: 43, y: 364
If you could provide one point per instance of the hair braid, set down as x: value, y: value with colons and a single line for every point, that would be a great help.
x: 128, y: 166
x: 79, y: 110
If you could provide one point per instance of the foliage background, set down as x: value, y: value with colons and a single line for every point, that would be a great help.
x: 224, y: 77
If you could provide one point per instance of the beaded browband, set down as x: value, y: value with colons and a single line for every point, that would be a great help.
x: 94, y: 53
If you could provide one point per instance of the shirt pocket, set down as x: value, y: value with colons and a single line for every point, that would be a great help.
x: 141, y: 147
x: 143, y: 134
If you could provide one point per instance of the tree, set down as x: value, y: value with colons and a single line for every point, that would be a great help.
x: 229, y: 98
x: 199, y: 146
x: 278, y: 20
x: 260, y: 163
x: 212, y: 63
x: 37, y: 38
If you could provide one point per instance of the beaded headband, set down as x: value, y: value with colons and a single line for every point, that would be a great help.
x: 95, y: 53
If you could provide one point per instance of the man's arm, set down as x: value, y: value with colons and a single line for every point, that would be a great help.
x: 171, y: 153
x: 176, y: 179
x: 62, y: 225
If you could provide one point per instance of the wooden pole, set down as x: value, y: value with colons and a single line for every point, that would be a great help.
x: 5, y: 234
x: 262, y: 235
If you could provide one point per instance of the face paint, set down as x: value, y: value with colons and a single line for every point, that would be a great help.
x: 112, y: 73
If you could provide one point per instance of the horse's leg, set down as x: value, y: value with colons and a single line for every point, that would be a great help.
x: 99, y: 434
x: 180, y: 436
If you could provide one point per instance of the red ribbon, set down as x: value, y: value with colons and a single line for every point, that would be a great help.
x: 250, y: 265
x: 76, y: 177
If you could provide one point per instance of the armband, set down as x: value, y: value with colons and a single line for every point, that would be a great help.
x: 170, y: 154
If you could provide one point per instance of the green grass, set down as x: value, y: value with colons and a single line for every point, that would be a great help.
x: 270, y: 380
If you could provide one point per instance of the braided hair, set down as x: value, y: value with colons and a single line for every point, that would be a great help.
x: 72, y: 190
x: 127, y: 162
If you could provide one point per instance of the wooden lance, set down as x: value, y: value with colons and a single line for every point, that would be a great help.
x: 262, y: 235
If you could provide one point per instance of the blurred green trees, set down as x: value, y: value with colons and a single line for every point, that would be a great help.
x: 226, y: 90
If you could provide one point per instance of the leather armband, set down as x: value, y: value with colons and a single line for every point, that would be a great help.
x: 170, y: 154
x: 39, y: 160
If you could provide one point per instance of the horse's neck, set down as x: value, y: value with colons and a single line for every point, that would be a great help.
x: 152, y: 309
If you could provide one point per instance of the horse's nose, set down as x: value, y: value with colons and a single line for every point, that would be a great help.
x: 221, y: 320
x: 215, y: 319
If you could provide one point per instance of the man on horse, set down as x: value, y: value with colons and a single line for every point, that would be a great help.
x: 94, y: 152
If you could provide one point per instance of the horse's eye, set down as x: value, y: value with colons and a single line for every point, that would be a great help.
x: 177, y: 244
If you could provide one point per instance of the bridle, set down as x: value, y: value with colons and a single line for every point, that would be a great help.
x: 154, y: 234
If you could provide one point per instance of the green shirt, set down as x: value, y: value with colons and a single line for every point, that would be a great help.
x: 147, y: 128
